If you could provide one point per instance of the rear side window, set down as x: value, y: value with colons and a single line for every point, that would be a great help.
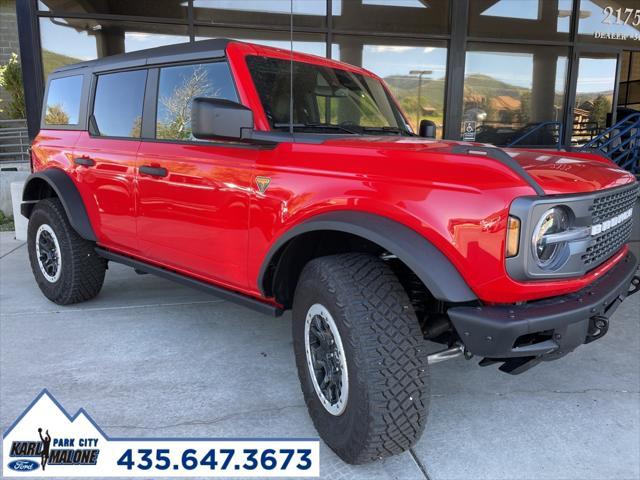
x: 178, y: 87
x: 117, y: 108
x: 63, y: 101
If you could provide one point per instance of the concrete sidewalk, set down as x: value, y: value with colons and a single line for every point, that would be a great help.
x: 151, y: 358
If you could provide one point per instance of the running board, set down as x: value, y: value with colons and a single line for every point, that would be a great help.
x: 222, y: 293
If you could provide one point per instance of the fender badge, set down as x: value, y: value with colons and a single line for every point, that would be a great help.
x: 263, y: 183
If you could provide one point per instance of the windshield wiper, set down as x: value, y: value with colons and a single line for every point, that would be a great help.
x: 331, y: 126
x: 396, y: 130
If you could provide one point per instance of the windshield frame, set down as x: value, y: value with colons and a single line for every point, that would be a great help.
x: 401, y: 127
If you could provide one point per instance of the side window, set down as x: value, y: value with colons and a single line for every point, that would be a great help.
x: 177, y: 88
x: 117, y: 108
x: 63, y: 101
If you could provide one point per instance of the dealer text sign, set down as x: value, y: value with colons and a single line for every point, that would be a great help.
x: 615, y: 19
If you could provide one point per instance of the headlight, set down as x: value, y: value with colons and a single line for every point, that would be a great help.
x: 547, y: 252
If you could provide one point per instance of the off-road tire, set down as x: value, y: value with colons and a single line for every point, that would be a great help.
x: 81, y: 271
x: 388, y: 399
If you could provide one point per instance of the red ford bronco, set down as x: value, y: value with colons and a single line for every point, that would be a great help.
x: 286, y: 181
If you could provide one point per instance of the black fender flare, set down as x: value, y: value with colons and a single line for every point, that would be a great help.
x: 68, y: 194
x: 433, y: 268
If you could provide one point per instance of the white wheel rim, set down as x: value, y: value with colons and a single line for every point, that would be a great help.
x: 48, y: 258
x: 319, y: 313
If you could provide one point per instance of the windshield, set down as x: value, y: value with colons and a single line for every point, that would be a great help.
x: 325, y: 100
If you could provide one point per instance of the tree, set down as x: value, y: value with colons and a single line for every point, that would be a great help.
x: 601, y: 107
x: 56, y: 115
x: 11, y: 81
x: 177, y: 115
x: 524, y: 114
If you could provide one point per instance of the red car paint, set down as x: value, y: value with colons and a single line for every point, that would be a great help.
x: 208, y: 219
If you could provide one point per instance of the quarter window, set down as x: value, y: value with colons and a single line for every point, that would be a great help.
x: 179, y: 86
x: 117, y: 109
x: 63, y: 101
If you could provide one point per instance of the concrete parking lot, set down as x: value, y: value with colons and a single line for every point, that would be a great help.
x: 151, y: 358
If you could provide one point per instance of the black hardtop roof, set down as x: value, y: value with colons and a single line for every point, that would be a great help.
x: 214, y: 48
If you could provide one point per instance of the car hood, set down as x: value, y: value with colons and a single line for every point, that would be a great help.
x: 556, y: 172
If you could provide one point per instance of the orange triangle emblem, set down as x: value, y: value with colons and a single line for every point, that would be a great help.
x: 263, y: 183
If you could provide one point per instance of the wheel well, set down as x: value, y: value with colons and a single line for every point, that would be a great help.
x: 282, y: 275
x: 37, y: 189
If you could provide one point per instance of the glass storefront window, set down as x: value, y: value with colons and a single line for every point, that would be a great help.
x: 594, y: 95
x: 143, y: 8
x: 391, y: 16
x: 507, y: 89
x: 612, y: 23
x: 414, y: 72
x: 66, y: 41
x: 313, y: 43
x: 629, y: 93
x: 526, y: 19
x: 306, y: 13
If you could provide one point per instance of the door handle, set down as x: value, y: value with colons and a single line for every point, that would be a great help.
x: 85, y: 161
x: 154, y: 171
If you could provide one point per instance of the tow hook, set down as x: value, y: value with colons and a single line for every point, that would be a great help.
x: 598, y: 326
x: 449, y: 353
x: 635, y: 285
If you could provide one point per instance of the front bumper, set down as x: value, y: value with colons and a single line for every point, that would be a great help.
x: 545, y: 329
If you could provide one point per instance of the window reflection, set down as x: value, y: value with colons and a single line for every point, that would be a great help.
x: 415, y: 73
x: 313, y: 43
x: 306, y: 13
x: 506, y: 91
x: 179, y: 86
x: 117, y: 108
x: 397, y: 16
x: 66, y: 41
x: 530, y: 19
x: 63, y: 101
x: 594, y: 96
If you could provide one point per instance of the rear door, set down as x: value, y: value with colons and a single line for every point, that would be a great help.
x: 193, y: 196
x: 105, y: 156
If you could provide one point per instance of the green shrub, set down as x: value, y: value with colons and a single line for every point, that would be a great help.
x: 11, y: 81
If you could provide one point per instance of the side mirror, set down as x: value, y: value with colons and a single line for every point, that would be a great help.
x: 215, y: 118
x: 427, y: 129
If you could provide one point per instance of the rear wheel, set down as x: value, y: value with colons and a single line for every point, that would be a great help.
x: 360, y: 357
x: 65, y: 265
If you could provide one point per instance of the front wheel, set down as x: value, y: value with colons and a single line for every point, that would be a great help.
x: 360, y: 357
x: 65, y: 265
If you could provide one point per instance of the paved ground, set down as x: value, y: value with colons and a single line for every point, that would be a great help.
x: 152, y: 358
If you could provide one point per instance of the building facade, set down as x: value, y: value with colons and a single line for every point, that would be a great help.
x: 481, y: 69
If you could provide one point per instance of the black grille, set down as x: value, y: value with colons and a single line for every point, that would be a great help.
x: 603, y: 208
x: 608, y: 206
x: 607, y: 243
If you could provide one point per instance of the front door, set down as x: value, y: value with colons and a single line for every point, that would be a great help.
x: 193, y: 196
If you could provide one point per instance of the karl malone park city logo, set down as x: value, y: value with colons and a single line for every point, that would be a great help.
x: 46, y: 440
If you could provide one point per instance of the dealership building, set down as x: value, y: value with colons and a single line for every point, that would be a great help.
x: 491, y: 68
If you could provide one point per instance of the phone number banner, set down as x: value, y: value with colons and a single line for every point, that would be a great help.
x: 45, y: 441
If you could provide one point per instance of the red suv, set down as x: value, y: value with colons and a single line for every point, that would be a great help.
x: 287, y: 181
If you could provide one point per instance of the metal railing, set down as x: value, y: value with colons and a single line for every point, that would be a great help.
x: 540, y: 135
x: 584, y: 131
x: 14, y: 141
x: 621, y: 143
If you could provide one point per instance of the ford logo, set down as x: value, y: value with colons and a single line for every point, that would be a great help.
x: 23, y: 465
